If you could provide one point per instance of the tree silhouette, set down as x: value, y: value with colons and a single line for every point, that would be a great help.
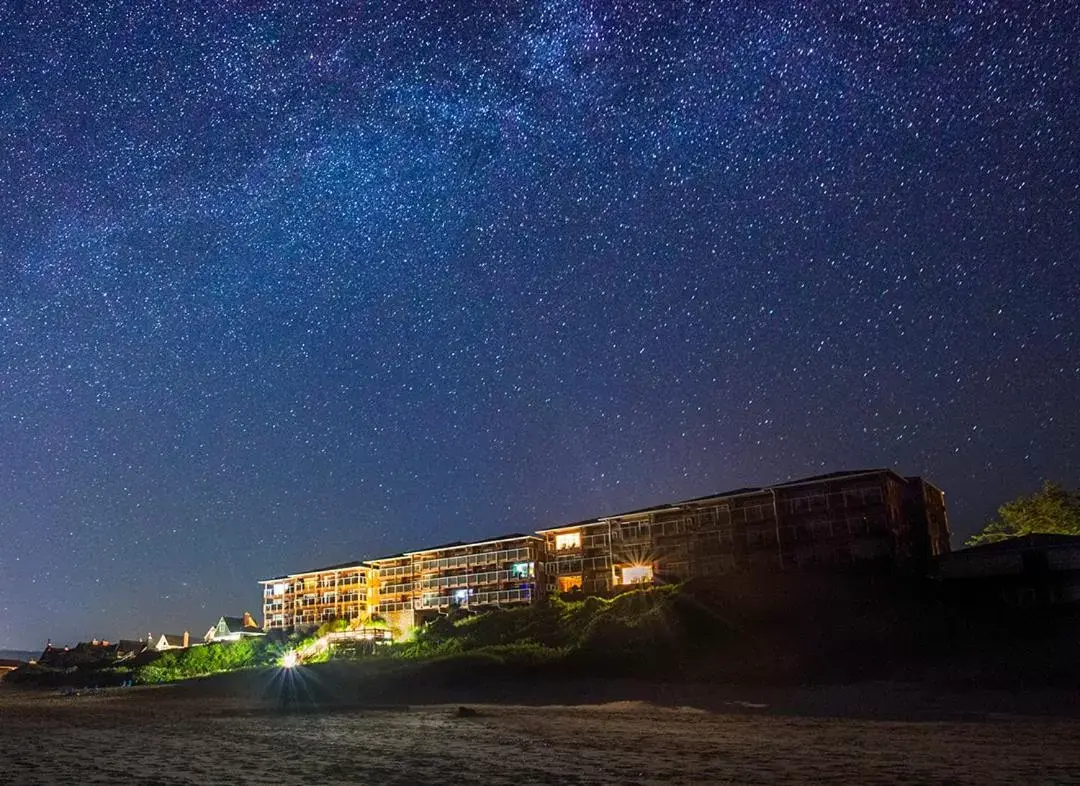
x: 1052, y: 510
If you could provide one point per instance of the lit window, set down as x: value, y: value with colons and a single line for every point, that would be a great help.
x: 569, y: 583
x: 279, y: 589
x: 568, y: 540
x: 637, y: 574
x: 461, y: 596
x: 522, y: 570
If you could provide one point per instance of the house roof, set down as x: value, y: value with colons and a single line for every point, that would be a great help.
x: 172, y: 639
x: 85, y: 652
x: 236, y: 624
x: 131, y: 645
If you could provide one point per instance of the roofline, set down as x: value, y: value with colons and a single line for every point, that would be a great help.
x: 469, y: 544
x: 926, y: 482
x: 826, y: 478
x: 330, y: 569
x: 744, y: 492
x: 370, y: 564
x: 375, y: 560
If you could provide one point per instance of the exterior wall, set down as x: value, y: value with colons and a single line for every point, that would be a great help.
x: 844, y: 521
x: 395, y: 582
x: 838, y: 521
x: 416, y: 586
x: 925, y: 504
x: 588, y: 561
x: 309, y: 599
x: 497, y: 573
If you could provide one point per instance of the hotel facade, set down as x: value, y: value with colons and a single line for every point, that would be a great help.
x: 844, y: 520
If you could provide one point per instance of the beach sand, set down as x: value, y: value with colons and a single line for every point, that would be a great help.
x: 201, y: 734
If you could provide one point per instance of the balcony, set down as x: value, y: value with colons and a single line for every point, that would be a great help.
x: 392, y: 606
x: 476, y: 560
x: 478, y: 599
x: 527, y: 571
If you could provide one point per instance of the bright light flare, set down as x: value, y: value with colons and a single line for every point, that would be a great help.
x: 289, y: 659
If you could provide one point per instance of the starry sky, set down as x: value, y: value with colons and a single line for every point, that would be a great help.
x: 288, y: 284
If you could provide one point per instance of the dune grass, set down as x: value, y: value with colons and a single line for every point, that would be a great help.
x: 628, y: 633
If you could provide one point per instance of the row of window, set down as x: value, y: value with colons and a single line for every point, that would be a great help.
x: 579, y: 564
x: 723, y: 515
x: 519, y: 570
x: 468, y: 597
x: 348, y: 597
x: 395, y: 572
x: 286, y: 587
x: 396, y: 589
x: 473, y: 560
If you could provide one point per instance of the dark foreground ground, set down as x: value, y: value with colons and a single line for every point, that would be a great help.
x: 343, y: 729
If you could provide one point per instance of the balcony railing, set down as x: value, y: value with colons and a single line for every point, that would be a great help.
x: 469, y: 579
x: 395, y: 572
x: 396, y: 589
x: 475, y: 560
x: 395, y: 606
x: 478, y: 599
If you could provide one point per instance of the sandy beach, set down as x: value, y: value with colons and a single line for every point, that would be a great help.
x: 200, y: 734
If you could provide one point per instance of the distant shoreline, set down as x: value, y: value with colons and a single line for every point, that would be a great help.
x: 23, y: 655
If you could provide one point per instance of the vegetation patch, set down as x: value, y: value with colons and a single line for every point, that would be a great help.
x: 200, y: 661
x: 625, y: 634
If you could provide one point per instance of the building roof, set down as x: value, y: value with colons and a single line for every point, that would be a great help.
x: 455, y: 544
x: 1035, y: 540
x: 172, y: 639
x: 726, y: 494
x: 461, y: 543
x: 327, y: 569
x: 844, y: 473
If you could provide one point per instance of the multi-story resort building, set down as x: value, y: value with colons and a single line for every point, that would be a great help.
x: 844, y: 519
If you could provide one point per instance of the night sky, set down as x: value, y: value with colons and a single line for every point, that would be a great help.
x: 284, y: 285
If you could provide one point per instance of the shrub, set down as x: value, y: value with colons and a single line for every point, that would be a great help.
x: 202, y: 660
x: 632, y: 630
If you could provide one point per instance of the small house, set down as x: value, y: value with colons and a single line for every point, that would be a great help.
x: 170, y: 641
x: 126, y: 649
x: 234, y: 629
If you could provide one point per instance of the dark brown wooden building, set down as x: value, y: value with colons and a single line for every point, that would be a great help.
x: 844, y: 519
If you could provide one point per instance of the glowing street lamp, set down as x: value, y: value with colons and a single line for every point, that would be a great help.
x: 289, y: 659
